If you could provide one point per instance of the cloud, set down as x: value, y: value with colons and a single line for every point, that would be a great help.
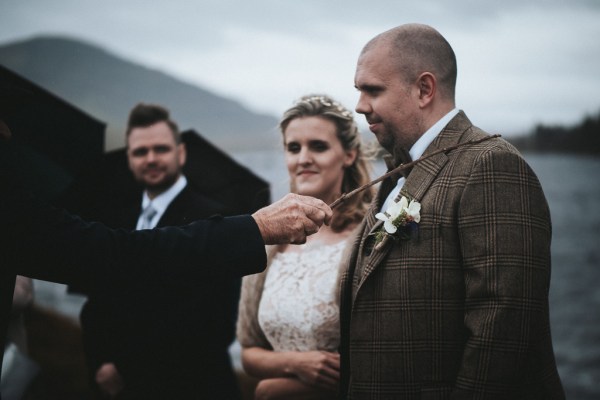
x: 519, y: 63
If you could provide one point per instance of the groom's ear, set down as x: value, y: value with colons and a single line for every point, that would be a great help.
x: 427, y: 85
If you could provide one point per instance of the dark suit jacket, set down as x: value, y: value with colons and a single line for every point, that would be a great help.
x: 45, y: 243
x: 461, y: 310
x: 164, y: 338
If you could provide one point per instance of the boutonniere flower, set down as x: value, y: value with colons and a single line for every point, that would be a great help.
x: 400, y: 221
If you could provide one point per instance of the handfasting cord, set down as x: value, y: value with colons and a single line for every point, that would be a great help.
x: 401, y: 167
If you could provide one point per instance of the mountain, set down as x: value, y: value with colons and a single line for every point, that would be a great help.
x: 107, y: 87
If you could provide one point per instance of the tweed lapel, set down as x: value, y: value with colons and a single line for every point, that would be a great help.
x: 417, y: 183
x: 361, y: 249
x: 386, y: 187
x: 426, y: 171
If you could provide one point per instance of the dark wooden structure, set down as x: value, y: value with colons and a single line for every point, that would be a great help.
x: 55, y: 140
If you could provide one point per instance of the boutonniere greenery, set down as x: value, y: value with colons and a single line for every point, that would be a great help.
x: 400, y: 221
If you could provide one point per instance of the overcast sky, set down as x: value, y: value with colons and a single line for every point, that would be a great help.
x: 519, y: 64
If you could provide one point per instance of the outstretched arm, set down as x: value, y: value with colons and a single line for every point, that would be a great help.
x: 53, y: 245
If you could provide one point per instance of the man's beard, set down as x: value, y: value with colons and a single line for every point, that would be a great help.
x: 387, y: 140
x: 161, y: 186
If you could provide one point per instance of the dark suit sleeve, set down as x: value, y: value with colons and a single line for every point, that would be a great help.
x: 51, y: 244
x: 505, y: 233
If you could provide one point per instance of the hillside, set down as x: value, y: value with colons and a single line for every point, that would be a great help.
x: 581, y: 138
x: 107, y: 87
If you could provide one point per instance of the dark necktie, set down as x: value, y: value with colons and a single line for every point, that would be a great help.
x: 402, y: 156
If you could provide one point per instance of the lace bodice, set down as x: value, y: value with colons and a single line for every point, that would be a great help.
x: 298, y: 310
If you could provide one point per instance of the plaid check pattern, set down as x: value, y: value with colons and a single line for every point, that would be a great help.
x: 461, y: 311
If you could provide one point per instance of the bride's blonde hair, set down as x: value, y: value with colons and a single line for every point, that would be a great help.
x: 353, y: 209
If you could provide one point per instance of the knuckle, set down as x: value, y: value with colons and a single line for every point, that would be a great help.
x: 298, y: 225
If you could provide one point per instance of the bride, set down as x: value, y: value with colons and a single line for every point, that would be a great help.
x: 288, y: 322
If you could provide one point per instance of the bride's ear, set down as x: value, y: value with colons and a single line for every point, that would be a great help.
x: 350, y: 157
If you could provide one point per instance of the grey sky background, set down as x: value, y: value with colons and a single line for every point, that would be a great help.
x: 520, y: 63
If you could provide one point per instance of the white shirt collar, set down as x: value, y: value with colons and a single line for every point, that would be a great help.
x: 417, y: 150
x: 162, y: 201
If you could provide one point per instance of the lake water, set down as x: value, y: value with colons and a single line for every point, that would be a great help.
x: 572, y: 188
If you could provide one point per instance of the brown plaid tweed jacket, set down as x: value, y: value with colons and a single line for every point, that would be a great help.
x: 461, y: 310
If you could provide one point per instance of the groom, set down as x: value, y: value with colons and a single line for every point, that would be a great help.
x: 458, y: 310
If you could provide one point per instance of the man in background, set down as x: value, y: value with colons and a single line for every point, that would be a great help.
x: 150, y: 340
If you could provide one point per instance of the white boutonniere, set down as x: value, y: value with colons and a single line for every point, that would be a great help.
x: 400, y: 221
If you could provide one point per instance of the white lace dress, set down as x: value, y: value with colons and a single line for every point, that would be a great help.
x: 299, y: 310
